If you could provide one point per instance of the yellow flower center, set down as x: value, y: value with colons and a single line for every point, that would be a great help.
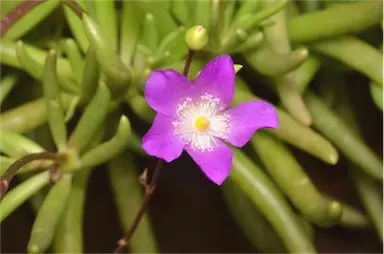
x: 202, y: 123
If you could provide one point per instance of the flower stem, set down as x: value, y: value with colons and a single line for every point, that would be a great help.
x: 15, y: 14
x: 188, y: 62
x: 11, y: 171
x: 149, y: 189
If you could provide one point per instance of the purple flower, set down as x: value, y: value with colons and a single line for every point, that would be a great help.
x: 194, y: 116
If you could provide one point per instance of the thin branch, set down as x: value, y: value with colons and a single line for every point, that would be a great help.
x: 15, y: 14
x: 11, y: 171
x: 188, y: 62
x: 149, y: 189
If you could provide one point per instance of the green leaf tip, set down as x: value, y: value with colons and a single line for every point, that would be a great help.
x: 33, y: 248
x: 237, y: 67
x: 335, y: 209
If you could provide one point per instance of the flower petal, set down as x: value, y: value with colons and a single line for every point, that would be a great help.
x: 247, y: 118
x: 164, y: 89
x: 161, y: 141
x: 216, y: 164
x: 218, y: 78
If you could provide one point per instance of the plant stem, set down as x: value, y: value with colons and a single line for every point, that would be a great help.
x: 149, y: 190
x: 11, y: 171
x: 15, y: 14
x: 188, y: 62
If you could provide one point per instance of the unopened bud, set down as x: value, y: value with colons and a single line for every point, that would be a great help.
x: 196, y: 38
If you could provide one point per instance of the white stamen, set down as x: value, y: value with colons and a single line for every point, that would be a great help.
x: 206, y: 106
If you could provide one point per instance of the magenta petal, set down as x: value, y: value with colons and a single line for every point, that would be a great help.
x: 161, y: 141
x: 247, y: 118
x: 164, y: 89
x: 218, y: 78
x: 216, y: 164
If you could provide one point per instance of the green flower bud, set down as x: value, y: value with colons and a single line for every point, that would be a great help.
x: 196, y: 38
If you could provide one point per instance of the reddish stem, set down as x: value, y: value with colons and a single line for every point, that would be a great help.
x: 75, y: 7
x: 15, y: 14
x: 11, y: 171
x: 188, y: 62
x: 149, y: 189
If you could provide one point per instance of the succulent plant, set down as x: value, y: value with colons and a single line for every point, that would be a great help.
x: 73, y: 67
